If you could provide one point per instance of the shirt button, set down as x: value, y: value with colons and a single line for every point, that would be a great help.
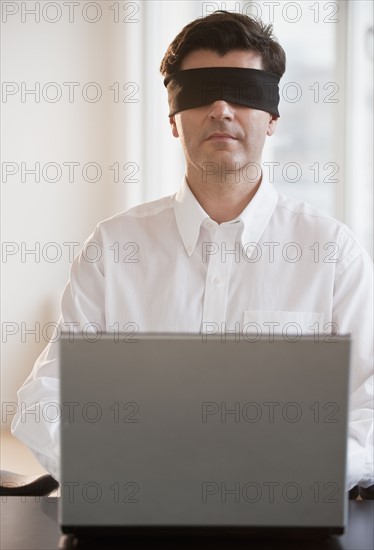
x: 189, y: 249
x: 217, y: 280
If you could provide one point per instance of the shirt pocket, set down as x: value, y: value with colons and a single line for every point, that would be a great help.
x: 285, y: 323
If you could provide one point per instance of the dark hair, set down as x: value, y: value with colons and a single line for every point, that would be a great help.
x: 221, y: 32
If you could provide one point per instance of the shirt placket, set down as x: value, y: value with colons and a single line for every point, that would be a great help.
x: 223, y: 252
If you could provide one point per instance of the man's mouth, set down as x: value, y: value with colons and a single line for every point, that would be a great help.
x: 220, y: 136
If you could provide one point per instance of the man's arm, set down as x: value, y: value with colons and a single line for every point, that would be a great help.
x: 36, y: 422
x: 353, y: 313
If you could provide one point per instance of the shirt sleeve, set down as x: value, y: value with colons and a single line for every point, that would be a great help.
x: 353, y: 313
x: 37, y: 420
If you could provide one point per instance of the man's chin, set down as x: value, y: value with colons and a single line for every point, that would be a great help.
x: 224, y: 168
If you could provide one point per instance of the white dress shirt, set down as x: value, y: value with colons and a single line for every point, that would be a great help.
x: 281, y: 267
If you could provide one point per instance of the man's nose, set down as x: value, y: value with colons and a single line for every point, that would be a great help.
x: 220, y: 110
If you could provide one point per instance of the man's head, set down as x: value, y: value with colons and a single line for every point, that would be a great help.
x: 231, y: 44
x: 222, y: 32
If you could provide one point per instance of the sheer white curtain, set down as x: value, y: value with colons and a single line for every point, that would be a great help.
x: 359, y: 121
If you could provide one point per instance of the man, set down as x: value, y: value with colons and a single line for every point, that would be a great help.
x: 226, y: 252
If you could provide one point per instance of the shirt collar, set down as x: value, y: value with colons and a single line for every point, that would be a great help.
x: 257, y: 213
x: 190, y: 215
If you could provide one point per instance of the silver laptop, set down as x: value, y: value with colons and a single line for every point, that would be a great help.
x: 191, y: 434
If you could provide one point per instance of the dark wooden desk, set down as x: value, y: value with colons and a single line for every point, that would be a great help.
x: 31, y: 524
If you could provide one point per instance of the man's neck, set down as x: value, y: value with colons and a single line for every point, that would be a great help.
x: 222, y: 200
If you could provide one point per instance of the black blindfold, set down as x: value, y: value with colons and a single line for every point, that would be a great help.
x: 249, y: 87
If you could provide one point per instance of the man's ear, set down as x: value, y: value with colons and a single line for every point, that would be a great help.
x: 174, y: 129
x: 273, y: 123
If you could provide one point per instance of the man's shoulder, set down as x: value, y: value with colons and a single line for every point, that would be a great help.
x: 140, y: 213
x: 305, y: 214
x: 302, y: 209
x: 315, y: 224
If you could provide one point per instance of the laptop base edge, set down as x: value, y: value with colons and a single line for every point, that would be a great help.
x: 145, y: 532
